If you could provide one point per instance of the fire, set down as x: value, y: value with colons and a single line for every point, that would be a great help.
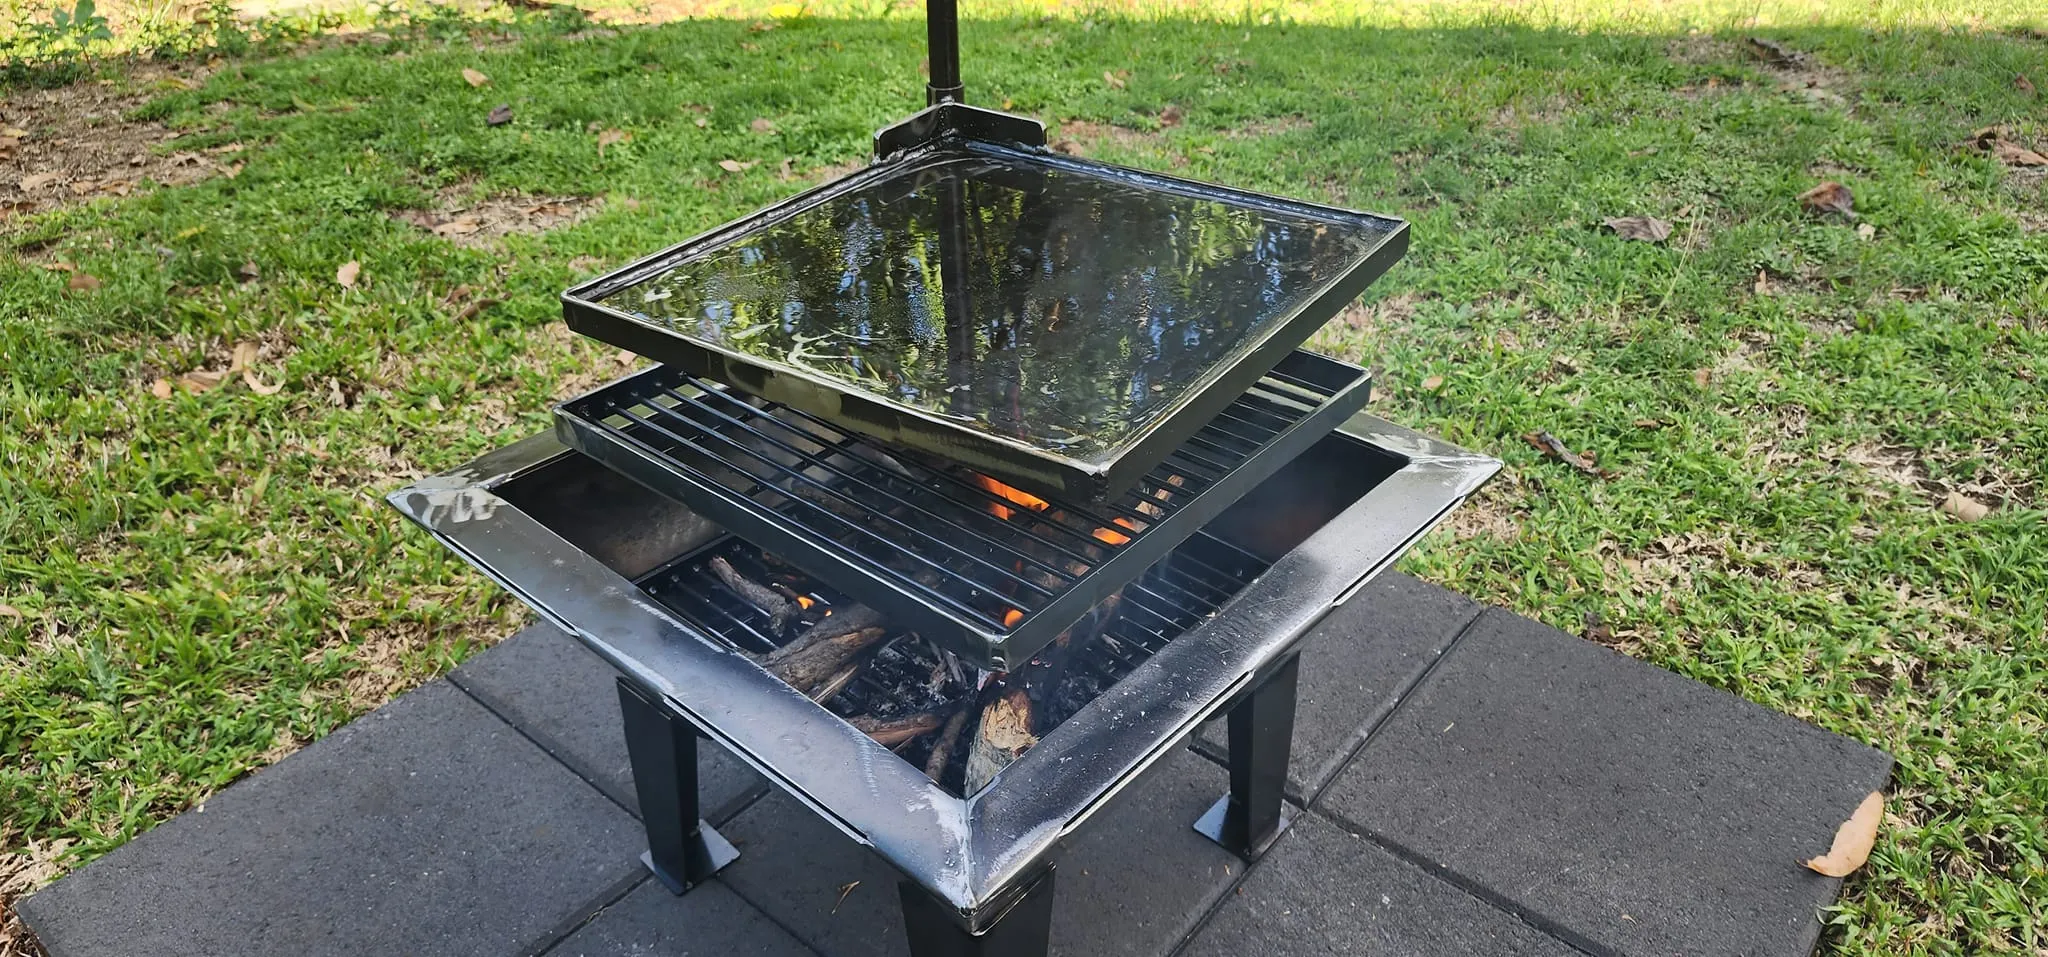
x: 1012, y: 617
x: 1015, y: 496
x: 1114, y: 537
x: 803, y: 602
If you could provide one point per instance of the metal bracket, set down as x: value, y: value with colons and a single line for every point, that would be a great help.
x: 958, y: 121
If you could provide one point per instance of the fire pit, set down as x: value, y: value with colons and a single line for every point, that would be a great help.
x: 952, y: 615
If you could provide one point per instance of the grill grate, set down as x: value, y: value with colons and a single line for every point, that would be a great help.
x: 989, y: 570
x: 1178, y: 592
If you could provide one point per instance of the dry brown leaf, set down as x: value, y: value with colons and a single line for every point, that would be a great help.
x: 1762, y: 286
x: 762, y: 124
x: 474, y: 77
x: 80, y: 187
x: 458, y: 227
x: 1649, y: 423
x: 624, y: 357
x: 1170, y: 117
x: 37, y: 181
x: 257, y: 385
x: 347, y: 274
x: 470, y: 311
x: 1553, y: 447
x: 227, y: 148
x: 735, y: 166
x: 249, y: 271
x: 1853, y: 840
x: 1701, y: 377
x: 500, y: 115
x: 2022, y: 84
x: 83, y: 282
x: 201, y: 381
x: 1829, y: 198
x: 161, y: 388
x: 2013, y: 154
x: 1647, y: 229
x: 61, y: 265
x: 1866, y: 232
x: 243, y: 357
x: 1964, y: 507
x: 1115, y: 82
x: 1432, y: 383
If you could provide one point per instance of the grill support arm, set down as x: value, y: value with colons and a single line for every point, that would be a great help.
x: 1252, y: 815
x: 942, y: 47
x: 682, y: 850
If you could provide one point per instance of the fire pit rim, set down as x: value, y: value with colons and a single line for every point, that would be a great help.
x: 971, y: 852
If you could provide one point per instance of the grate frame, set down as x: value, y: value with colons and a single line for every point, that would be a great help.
x: 918, y: 539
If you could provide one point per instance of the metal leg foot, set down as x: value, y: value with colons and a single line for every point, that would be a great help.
x: 1261, y: 736
x: 682, y: 850
x: 1024, y: 930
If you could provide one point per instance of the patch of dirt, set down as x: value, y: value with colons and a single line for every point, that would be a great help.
x: 24, y: 866
x: 1489, y: 514
x: 1535, y: 112
x: 70, y: 145
x: 479, y: 223
x: 1081, y: 137
x: 1793, y: 71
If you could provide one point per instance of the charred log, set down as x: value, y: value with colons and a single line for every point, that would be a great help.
x: 949, y: 742
x: 781, y: 611
x: 819, y: 662
x: 841, y: 622
x: 1003, y: 737
x: 890, y: 733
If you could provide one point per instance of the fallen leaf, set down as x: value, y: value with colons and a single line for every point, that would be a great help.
x: 1773, y: 53
x: 458, y: 227
x: 80, y: 187
x: 762, y: 124
x: 1648, y: 229
x: 1853, y: 840
x: 1964, y: 507
x: 735, y: 166
x: 623, y: 357
x: 161, y: 388
x: 347, y: 274
x: 2013, y: 154
x: 61, y: 265
x: 470, y: 311
x: 1432, y: 383
x: 1596, y: 628
x: 83, y: 282
x: 458, y: 294
x: 434, y: 403
x: 249, y: 272
x: 611, y: 137
x: 228, y: 148
x: 201, y: 381
x: 474, y: 77
x: 1762, y: 286
x: 38, y: 181
x: 1701, y: 377
x: 1866, y: 232
x: 1828, y: 198
x: 1553, y: 447
x: 9, y: 611
x: 500, y: 115
x: 2022, y: 84
x: 243, y: 357
x: 1648, y: 423
x: 702, y: 122
x: 257, y: 385
x: 1170, y: 117
x: 1115, y: 82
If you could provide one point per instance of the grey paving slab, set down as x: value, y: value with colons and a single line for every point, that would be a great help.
x: 1355, y: 667
x: 427, y: 827
x: 709, y: 921
x: 563, y: 696
x: 1133, y: 883
x: 1621, y: 806
x: 1324, y: 891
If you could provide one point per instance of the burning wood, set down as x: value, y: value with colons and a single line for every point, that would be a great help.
x: 819, y: 662
x: 949, y: 741
x: 889, y: 734
x: 781, y: 611
x: 837, y: 622
x: 1003, y: 737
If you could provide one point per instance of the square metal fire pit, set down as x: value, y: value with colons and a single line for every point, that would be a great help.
x: 576, y: 541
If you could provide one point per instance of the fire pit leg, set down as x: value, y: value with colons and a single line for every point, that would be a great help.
x: 1024, y: 930
x: 682, y: 850
x: 1261, y: 735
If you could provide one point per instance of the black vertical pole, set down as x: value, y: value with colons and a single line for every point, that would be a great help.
x: 1261, y: 736
x: 942, y: 44
x: 682, y: 850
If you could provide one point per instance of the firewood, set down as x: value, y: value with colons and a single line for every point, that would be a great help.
x: 817, y: 664
x: 891, y: 733
x: 1042, y: 676
x: 839, y: 680
x: 781, y: 611
x: 1004, y: 735
x: 842, y: 621
x: 949, y: 740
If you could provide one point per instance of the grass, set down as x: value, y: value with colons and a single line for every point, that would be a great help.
x: 196, y: 585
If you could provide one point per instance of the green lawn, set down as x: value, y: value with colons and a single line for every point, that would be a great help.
x: 192, y: 586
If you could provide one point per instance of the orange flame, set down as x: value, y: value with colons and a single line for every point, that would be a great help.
x: 1015, y: 496
x: 1118, y: 538
x: 803, y: 602
x: 1012, y: 617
